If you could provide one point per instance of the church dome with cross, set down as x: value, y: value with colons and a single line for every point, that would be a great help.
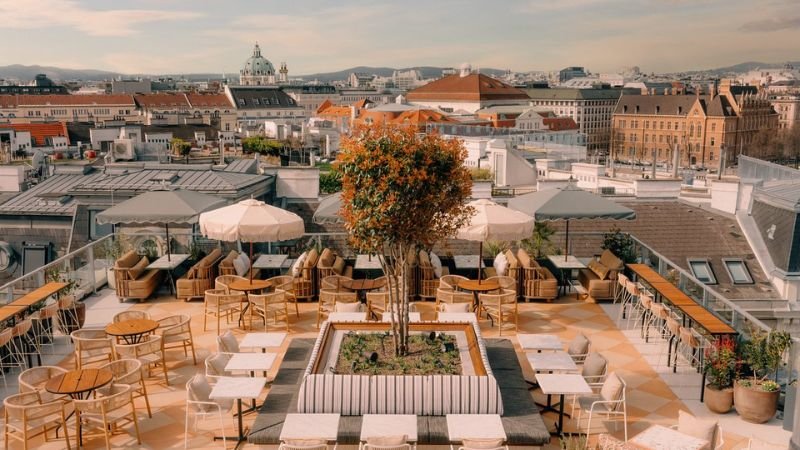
x: 257, y: 70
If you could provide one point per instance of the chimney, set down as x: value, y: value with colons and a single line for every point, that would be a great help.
x: 466, y: 70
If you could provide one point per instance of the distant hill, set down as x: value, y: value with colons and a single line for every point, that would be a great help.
x: 425, y: 71
x: 746, y: 67
x: 25, y: 73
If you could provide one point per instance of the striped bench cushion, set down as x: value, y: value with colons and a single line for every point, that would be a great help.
x: 429, y: 395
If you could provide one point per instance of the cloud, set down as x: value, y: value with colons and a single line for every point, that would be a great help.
x: 775, y: 24
x: 37, y: 14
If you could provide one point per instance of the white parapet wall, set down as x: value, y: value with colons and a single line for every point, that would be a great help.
x: 647, y: 188
x: 296, y: 182
x: 725, y: 196
x: 11, y: 178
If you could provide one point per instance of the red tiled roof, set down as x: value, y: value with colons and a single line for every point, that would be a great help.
x: 209, y: 100
x: 473, y: 87
x: 41, y: 131
x: 361, y: 104
x: 162, y: 100
x: 325, y: 105
x: 421, y: 117
x: 8, y: 101
x: 560, y: 123
x: 73, y: 100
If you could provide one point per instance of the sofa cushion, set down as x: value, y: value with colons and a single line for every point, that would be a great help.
x: 594, y: 365
x: 608, y: 259
x: 413, y: 258
x: 347, y: 307
x: 437, y: 265
x: 327, y: 258
x: 297, y: 267
x: 579, y: 345
x: 338, y: 265
x: 227, y: 262
x: 210, y: 258
x: 127, y: 260
x: 523, y: 258
x: 599, y: 269
x: 311, y: 258
x: 241, y: 264
x: 424, y: 260
x: 200, y: 390
x: 500, y: 264
x: 228, y: 343
x: 513, y: 262
x: 456, y: 307
x: 305, y: 442
x: 139, y: 268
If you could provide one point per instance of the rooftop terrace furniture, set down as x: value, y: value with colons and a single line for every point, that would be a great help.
x: 286, y: 284
x: 177, y: 333
x: 611, y: 401
x: 272, y: 306
x: 331, y: 264
x: 26, y: 417
x: 236, y: 263
x: 501, y: 308
x: 539, y: 283
x: 149, y: 353
x: 133, y: 280
x: 521, y: 420
x: 34, y: 379
x: 219, y: 303
x: 106, y: 412
x: 129, y: 314
x: 600, y: 275
x: 92, y: 346
x: 429, y: 276
x: 128, y: 371
x: 199, y: 278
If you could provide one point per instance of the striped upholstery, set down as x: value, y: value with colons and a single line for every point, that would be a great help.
x: 422, y: 395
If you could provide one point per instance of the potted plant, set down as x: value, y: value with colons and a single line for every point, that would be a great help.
x: 113, y: 250
x: 720, y: 368
x: 756, y: 399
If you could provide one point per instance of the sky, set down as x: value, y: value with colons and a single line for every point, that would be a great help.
x: 195, y: 36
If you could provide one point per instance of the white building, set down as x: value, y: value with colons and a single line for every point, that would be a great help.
x: 788, y: 109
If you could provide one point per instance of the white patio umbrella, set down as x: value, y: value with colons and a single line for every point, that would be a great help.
x: 494, y: 222
x: 251, y: 221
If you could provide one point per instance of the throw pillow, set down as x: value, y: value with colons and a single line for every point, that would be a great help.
x: 437, y: 265
x: 139, y: 268
x: 228, y: 343
x: 297, y: 267
x: 387, y: 441
x: 611, y: 390
x: 578, y: 346
x: 523, y: 258
x: 483, y: 444
x: 240, y: 266
x: 338, y: 265
x: 311, y: 258
x: 456, y: 307
x: 598, y: 269
x: 500, y: 264
x: 218, y: 363
x: 513, y: 262
x: 424, y: 260
x: 348, y: 307
x: 327, y: 258
x: 700, y: 428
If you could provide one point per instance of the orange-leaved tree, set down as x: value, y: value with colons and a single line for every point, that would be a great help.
x: 401, y: 192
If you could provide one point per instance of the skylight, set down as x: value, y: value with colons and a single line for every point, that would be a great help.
x: 737, y: 269
x: 701, y: 270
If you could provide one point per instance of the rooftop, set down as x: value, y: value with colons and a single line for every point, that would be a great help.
x: 472, y: 87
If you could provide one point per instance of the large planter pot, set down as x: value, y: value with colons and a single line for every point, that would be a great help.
x: 718, y: 401
x: 755, y: 405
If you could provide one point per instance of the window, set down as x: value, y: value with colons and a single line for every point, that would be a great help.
x: 737, y: 270
x: 701, y: 270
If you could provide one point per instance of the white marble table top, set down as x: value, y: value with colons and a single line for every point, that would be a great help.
x: 251, y: 361
x: 163, y: 263
x: 552, y: 361
x: 467, y: 262
x: 571, y: 262
x: 381, y: 425
x: 310, y: 426
x: 659, y: 437
x: 232, y: 388
x: 474, y: 426
x: 263, y: 340
x: 367, y: 262
x: 412, y: 317
x: 456, y: 317
x: 347, y: 317
x: 539, y: 342
x: 270, y: 261
x: 562, y: 383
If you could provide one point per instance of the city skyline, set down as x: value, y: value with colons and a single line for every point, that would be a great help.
x: 177, y: 36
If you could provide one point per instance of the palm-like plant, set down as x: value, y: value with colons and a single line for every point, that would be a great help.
x: 539, y: 243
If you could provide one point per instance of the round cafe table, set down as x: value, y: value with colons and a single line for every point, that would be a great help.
x: 131, y: 331
x: 79, y: 384
x: 248, y: 286
x: 477, y: 287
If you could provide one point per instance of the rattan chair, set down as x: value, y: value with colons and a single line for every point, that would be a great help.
x: 272, y: 305
x: 447, y: 296
x: 106, y: 412
x: 34, y: 379
x: 92, y: 346
x: 177, y: 333
x: 221, y: 283
x: 219, y: 303
x: 130, y: 315
x: 328, y: 300
x: 501, y: 308
x: 27, y: 417
x: 450, y: 282
x: 149, y: 353
x: 507, y: 284
x: 377, y: 304
x: 286, y: 284
x: 335, y: 283
x: 128, y: 371
x: 607, y: 402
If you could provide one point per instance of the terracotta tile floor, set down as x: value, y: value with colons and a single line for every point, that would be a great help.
x: 650, y: 398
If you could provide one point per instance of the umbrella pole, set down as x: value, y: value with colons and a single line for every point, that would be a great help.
x: 169, y: 256
x: 566, y: 243
x: 251, y: 261
x: 480, y: 259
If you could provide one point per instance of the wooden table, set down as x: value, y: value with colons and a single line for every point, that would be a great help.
x: 476, y: 287
x: 79, y: 384
x: 565, y: 265
x: 273, y: 263
x: 659, y: 437
x: 248, y: 286
x: 20, y: 305
x: 132, y: 331
x: 364, y: 284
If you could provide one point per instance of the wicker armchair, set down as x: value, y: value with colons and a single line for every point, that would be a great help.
x: 507, y: 284
x: 26, y: 417
x: 286, y: 284
x: 543, y: 285
x: 328, y: 300
x: 133, y: 280
x: 199, y: 278
x: 335, y: 283
x: 272, y: 305
x: 450, y: 282
x: 444, y: 296
x: 501, y: 308
x: 106, y: 413
x: 222, y: 282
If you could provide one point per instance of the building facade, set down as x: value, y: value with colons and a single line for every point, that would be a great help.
x: 591, y: 109
x: 699, y: 127
x: 788, y: 109
x: 97, y: 108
